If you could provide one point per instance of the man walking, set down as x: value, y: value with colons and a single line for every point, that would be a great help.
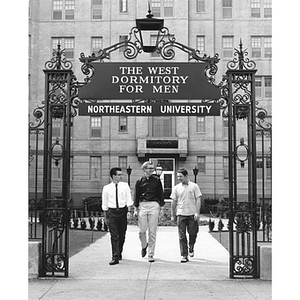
x: 116, y: 200
x: 186, y: 204
x: 148, y: 205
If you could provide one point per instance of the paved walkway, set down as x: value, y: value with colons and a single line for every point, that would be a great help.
x: 206, y: 276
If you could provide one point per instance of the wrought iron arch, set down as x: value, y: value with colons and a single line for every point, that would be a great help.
x: 237, y: 101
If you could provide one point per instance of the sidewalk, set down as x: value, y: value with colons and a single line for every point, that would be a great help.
x: 206, y: 276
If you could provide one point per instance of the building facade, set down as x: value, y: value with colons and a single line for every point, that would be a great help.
x: 100, y: 143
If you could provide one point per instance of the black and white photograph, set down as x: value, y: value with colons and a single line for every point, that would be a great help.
x: 147, y: 157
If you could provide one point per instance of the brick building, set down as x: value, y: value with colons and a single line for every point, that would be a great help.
x: 99, y: 143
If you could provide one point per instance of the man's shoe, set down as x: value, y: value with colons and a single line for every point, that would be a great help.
x: 113, y: 262
x: 191, y: 252
x: 151, y: 259
x: 184, y: 259
x: 120, y: 257
x: 144, y: 251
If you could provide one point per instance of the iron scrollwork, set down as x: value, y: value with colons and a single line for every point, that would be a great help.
x: 55, y: 262
x: 242, y: 147
x: 58, y: 60
x: 240, y: 61
x: 243, y: 266
x: 55, y: 219
x: 165, y: 46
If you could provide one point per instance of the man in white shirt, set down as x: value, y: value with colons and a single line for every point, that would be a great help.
x: 116, y: 204
x: 186, y: 204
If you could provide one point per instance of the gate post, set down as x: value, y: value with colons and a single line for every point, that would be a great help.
x: 56, y: 194
x: 242, y: 166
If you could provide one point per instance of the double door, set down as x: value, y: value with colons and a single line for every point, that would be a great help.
x: 168, y: 174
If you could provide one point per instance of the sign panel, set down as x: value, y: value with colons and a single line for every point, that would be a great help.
x: 149, y: 109
x: 149, y: 81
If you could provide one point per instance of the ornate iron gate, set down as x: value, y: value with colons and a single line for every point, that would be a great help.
x: 56, y: 157
x: 243, y: 119
x: 237, y: 102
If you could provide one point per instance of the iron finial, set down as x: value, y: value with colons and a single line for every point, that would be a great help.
x: 149, y: 11
x: 241, y: 56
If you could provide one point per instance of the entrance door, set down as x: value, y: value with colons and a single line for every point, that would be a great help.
x: 167, y: 176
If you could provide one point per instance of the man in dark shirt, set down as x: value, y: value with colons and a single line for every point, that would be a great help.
x: 148, y: 205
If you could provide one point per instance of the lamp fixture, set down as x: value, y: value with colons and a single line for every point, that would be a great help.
x: 146, y: 25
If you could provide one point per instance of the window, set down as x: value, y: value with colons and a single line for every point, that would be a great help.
x: 227, y: 9
x: 96, y: 9
x: 200, y: 40
x: 97, y: 44
x: 267, y: 8
x: 261, y: 46
x: 123, y: 162
x: 263, y: 86
x: 268, y: 47
x: 261, y: 8
x: 69, y: 47
x: 200, y: 124
x: 67, y: 44
x: 200, y: 5
x: 225, y: 128
x: 162, y: 8
x: 155, y: 8
x: 122, y: 38
x: 123, y: 124
x: 56, y: 169
x: 168, y: 8
x: 258, y: 86
x: 57, y: 9
x: 256, y: 46
x: 95, y: 167
x: 255, y: 8
x: 69, y: 11
x: 263, y: 166
x: 227, y: 46
x: 96, y: 127
x: 63, y: 9
x: 123, y: 6
x: 153, y: 41
x: 268, y: 87
x: 225, y: 167
x: 162, y: 126
x: 201, y: 162
x: 259, y: 167
x: 56, y: 125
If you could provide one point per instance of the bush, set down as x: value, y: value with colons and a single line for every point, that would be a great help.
x: 82, y: 223
x: 209, y: 205
x: 220, y: 225
x: 211, y: 225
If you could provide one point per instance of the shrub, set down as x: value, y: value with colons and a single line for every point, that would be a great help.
x: 92, y: 223
x: 75, y: 223
x: 211, y: 225
x: 220, y: 225
x: 82, y: 223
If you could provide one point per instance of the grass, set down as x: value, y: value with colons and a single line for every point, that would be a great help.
x: 78, y: 239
